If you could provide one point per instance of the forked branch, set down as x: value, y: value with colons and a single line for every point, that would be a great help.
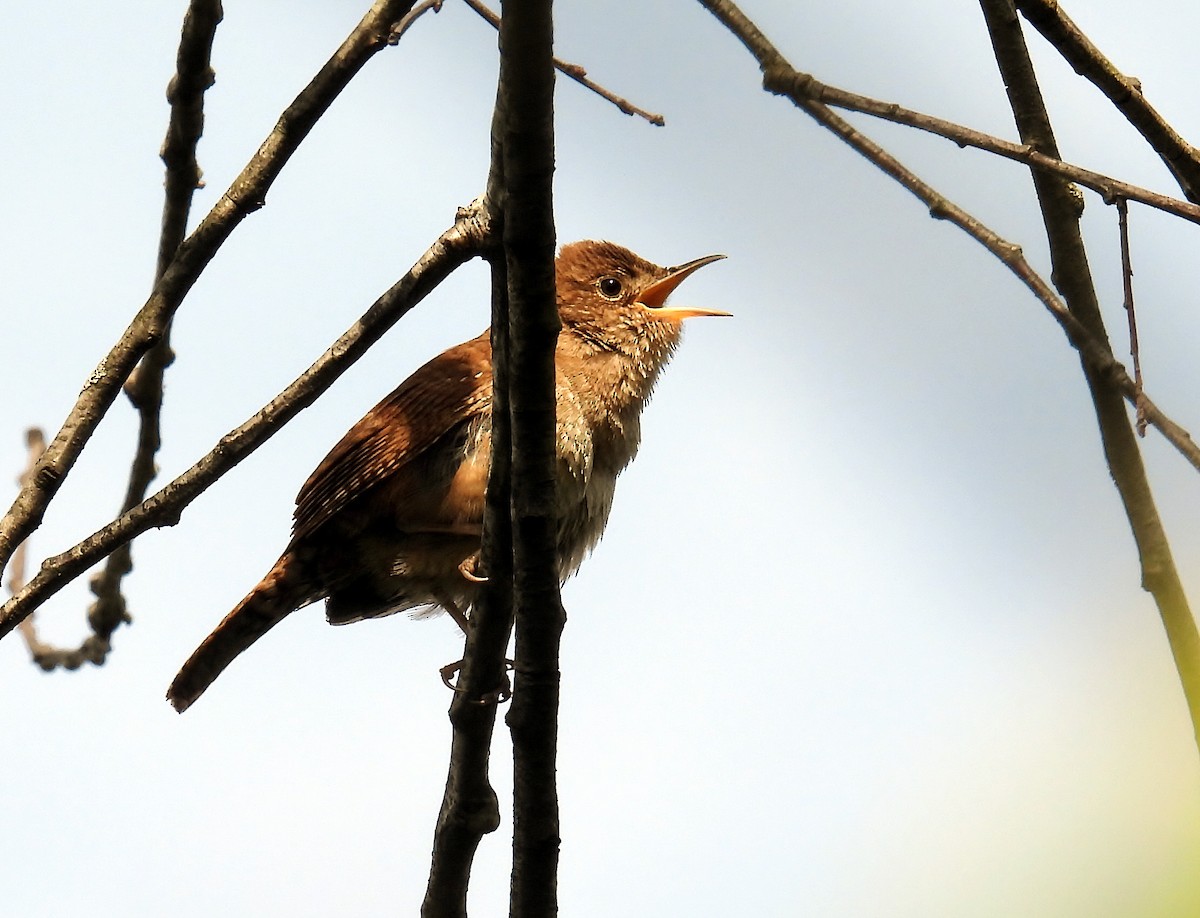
x: 794, y: 84
x: 1049, y: 18
x: 244, y: 196
x: 1073, y: 277
x: 1079, y: 317
x: 780, y: 76
x: 467, y: 238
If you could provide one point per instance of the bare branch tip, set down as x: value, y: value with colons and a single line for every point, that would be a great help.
x: 399, y: 28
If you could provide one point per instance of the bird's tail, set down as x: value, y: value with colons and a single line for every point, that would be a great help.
x: 283, y: 590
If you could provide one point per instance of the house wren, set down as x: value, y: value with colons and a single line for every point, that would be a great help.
x: 391, y: 520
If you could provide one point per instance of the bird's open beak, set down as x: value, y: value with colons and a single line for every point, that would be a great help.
x: 655, y: 296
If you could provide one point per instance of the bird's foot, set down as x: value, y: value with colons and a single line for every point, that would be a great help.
x: 498, y: 695
x: 468, y: 568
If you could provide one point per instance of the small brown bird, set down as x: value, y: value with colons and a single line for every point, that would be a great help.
x: 391, y: 520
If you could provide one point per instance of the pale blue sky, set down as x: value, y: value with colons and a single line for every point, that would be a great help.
x: 864, y: 637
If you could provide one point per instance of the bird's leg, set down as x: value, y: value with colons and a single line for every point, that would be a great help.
x: 469, y: 566
x: 456, y: 613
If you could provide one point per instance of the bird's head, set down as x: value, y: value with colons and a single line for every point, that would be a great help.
x: 612, y: 300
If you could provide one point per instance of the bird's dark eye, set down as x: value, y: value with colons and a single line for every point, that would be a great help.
x: 610, y: 287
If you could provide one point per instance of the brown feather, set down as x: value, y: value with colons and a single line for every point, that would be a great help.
x: 437, y: 398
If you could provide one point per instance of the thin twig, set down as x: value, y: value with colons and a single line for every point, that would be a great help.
x: 1127, y: 274
x: 463, y: 241
x: 91, y: 649
x: 144, y: 388
x: 777, y: 72
x: 792, y: 83
x: 246, y: 195
x: 412, y: 16
x: 577, y: 73
x: 1180, y: 157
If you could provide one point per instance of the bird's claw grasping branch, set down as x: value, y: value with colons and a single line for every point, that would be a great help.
x: 498, y: 695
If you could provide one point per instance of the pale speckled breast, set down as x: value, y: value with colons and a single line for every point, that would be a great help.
x: 591, y: 455
x: 592, y: 451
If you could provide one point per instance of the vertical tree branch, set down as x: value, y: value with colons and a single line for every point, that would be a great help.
x: 521, y: 524
x: 527, y: 90
x: 1060, y: 214
x: 470, y: 808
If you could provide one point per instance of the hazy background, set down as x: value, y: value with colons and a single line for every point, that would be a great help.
x: 865, y: 636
